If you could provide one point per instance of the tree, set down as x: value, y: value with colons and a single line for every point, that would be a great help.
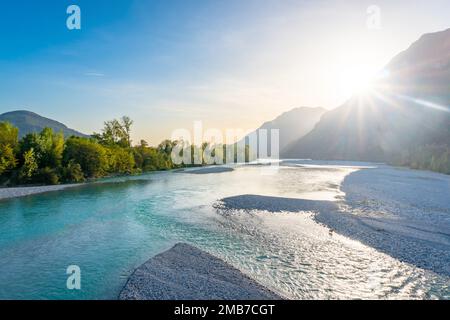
x: 111, y: 133
x: 120, y: 160
x: 150, y: 159
x: 29, y: 167
x: 8, y: 143
x: 48, y: 147
x: 47, y: 176
x: 143, y: 144
x: 72, y: 173
x: 89, y: 154
x: 167, y: 146
x: 8, y: 134
x: 8, y: 160
x: 116, y: 132
x: 126, y: 124
x: 51, y: 148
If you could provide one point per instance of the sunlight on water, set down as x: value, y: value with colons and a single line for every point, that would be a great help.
x: 110, y: 229
x: 305, y: 260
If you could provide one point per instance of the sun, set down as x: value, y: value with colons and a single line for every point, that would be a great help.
x: 356, y: 81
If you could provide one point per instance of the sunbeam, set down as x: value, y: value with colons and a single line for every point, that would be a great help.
x: 424, y: 103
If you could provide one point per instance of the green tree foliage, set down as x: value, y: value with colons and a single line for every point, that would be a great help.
x: 121, y: 160
x: 167, y: 146
x: 29, y: 168
x: 8, y: 144
x: 151, y: 159
x: 47, y: 176
x: 52, y: 147
x: 126, y: 124
x: 8, y: 160
x: 116, y: 133
x: 47, y: 158
x: 89, y: 154
x: 72, y: 173
x: 8, y: 134
x: 48, y: 147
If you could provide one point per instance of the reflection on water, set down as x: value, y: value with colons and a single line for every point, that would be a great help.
x: 108, y: 230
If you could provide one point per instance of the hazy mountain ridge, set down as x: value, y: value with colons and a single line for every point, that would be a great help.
x: 292, y: 124
x: 406, y: 121
x: 423, y: 69
x: 29, y: 122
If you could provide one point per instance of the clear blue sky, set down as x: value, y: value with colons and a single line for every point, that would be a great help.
x: 165, y: 63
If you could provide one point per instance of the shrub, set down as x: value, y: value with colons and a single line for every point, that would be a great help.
x: 72, y: 173
x: 47, y: 176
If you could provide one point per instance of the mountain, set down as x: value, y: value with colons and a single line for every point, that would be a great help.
x: 29, y: 122
x: 292, y: 125
x: 404, y: 119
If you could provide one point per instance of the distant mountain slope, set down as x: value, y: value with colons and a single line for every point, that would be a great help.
x: 293, y: 124
x: 405, y: 115
x: 29, y: 122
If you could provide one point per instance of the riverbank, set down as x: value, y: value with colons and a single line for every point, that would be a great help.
x: 16, y: 192
x: 407, y: 218
x: 22, y: 191
x: 188, y: 273
x: 207, y: 170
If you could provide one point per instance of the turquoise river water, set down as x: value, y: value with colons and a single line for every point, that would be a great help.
x: 110, y: 228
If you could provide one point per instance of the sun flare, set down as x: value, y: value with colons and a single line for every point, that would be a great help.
x: 356, y: 81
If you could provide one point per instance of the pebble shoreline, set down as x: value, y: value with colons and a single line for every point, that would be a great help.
x: 8, y: 193
x: 188, y: 273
